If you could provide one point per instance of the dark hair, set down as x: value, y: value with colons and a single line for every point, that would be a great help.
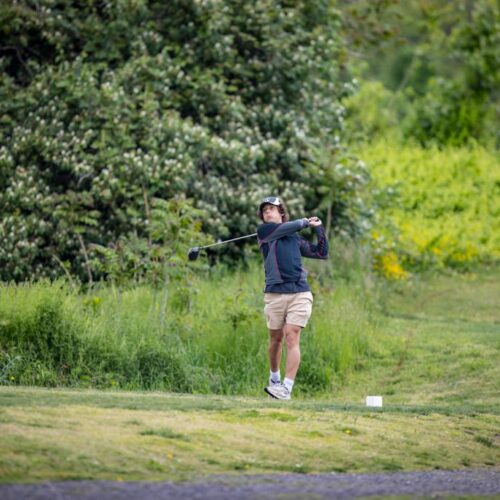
x: 282, y: 209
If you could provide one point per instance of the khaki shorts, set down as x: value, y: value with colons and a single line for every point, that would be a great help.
x: 291, y: 308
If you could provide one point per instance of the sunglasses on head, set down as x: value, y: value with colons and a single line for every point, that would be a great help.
x: 274, y: 200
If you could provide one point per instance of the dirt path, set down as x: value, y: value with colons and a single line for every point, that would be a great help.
x: 283, y: 486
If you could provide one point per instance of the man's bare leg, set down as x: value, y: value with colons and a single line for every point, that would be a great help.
x: 275, y: 348
x: 292, y: 337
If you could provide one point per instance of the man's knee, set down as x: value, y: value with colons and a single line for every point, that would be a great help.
x: 276, y: 336
x: 292, y: 334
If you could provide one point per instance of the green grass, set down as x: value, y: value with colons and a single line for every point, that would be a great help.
x: 208, y: 338
x: 68, y: 434
x: 443, y: 348
x: 433, y: 358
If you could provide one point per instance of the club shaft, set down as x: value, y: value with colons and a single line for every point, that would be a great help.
x: 229, y: 241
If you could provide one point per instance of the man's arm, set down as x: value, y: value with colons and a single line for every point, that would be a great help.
x: 271, y: 231
x: 318, y: 251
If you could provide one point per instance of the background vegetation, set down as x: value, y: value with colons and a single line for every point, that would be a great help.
x: 434, y: 75
x: 440, y: 207
x: 107, y: 106
x: 132, y: 130
x: 174, y: 339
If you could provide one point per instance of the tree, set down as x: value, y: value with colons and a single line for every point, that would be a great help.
x: 105, y: 106
x: 443, y: 68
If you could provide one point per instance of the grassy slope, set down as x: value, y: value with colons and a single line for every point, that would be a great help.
x: 447, y: 330
x: 437, y: 370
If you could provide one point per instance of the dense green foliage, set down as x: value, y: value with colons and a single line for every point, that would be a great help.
x: 114, y: 115
x: 441, y: 72
x: 172, y: 339
x: 441, y: 208
x: 428, y: 95
x: 454, y: 110
x: 105, y: 106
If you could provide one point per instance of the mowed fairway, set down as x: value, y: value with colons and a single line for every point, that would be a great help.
x: 437, y: 370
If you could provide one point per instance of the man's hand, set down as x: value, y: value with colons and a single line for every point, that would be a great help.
x: 314, y: 221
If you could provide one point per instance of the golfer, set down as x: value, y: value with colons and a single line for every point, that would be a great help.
x: 287, y: 296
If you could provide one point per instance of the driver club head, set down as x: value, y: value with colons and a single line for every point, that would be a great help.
x: 194, y: 253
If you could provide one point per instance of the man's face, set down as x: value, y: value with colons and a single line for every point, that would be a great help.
x: 271, y: 213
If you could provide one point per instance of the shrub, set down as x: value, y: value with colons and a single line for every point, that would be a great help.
x: 219, y: 101
x: 443, y: 210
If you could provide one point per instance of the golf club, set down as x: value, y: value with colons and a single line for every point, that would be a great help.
x: 194, y: 252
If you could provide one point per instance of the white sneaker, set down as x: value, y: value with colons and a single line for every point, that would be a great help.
x: 278, y: 391
x: 272, y: 383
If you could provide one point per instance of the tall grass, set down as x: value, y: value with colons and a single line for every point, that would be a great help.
x: 210, y: 340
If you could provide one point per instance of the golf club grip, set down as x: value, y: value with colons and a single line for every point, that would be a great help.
x: 229, y: 241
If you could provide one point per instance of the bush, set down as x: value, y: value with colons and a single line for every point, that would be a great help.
x: 219, y: 101
x: 440, y: 207
x: 374, y: 112
x: 43, y: 344
x: 447, y: 115
x: 460, y: 107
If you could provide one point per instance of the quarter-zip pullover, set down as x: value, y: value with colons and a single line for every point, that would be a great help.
x: 282, y: 249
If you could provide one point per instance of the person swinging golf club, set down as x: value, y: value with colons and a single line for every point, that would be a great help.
x: 287, y: 296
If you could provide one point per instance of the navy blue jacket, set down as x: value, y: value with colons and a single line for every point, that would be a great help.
x: 282, y: 249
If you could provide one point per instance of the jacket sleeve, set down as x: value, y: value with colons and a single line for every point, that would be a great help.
x: 272, y: 231
x: 318, y: 251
